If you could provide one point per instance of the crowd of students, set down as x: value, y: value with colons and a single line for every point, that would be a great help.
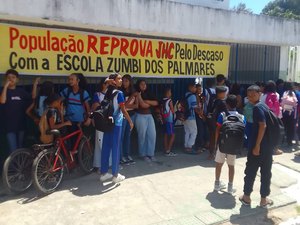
x: 135, y: 103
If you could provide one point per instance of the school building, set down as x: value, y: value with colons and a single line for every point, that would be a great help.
x: 165, y: 41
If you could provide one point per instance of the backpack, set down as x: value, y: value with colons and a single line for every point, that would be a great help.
x: 275, y: 130
x: 212, y: 98
x: 183, y: 111
x: 103, y: 116
x: 163, y: 109
x: 272, y: 102
x: 44, y: 127
x: 231, y: 139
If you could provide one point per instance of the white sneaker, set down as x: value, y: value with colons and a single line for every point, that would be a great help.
x: 231, y: 190
x: 105, y: 177
x: 118, y: 179
x: 220, y: 186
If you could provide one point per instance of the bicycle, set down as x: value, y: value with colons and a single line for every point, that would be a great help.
x: 48, y: 167
x: 16, y: 174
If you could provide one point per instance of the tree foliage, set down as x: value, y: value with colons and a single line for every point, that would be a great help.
x: 289, y: 9
x: 241, y: 7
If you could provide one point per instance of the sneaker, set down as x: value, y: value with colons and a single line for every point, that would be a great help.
x: 105, y: 177
x: 130, y: 160
x: 123, y: 161
x: 231, y: 190
x: 147, y: 159
x: 219, y: 186
x: 153, y: 159
x: 118, y: 178
x: 170, y: 154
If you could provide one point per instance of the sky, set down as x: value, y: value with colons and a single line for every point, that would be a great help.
x: 255, y: 5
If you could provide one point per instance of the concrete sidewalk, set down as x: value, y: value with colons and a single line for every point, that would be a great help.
x: 177, y: 190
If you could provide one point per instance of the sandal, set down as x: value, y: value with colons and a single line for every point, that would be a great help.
x: 268, y: 203
x: 245, y: 203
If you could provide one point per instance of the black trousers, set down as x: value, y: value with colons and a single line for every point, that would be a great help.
x: 289, y: 122
x: 264, y: 162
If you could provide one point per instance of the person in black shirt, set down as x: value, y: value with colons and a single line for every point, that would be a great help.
x: 15, y: 101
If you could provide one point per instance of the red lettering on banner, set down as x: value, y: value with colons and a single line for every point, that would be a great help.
x: 13, y: 35
x: 103, y: 45
x: 115, y: 42
x: 124, y: 46
x: 92, y: 41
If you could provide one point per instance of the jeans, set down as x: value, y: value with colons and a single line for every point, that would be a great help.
x: 15, y: 140
x: 190, y: 129
x: 111, y: 143
x: 125, y: 137
x: 264, y: 162
x: 202, y: 135
x: 289, y: 122
x: 146, y: 134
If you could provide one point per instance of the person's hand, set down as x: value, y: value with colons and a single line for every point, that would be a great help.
x: 131, y: 125
x: 87, y: 122
x: 68, y: 123
x: 7, y: 83
x: 110, y: 82
x: 256, y: 150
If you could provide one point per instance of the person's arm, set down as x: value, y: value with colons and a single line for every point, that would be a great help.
x: 142, y: 103
x: 261, y: 132
x: 95, y: 105
x: 35, y: 86
x: 172, y: 107
x: 151, y: 102
x: 127, y: 117
x: 218, y: 128
x: 29, y: 112
x: 53, y: 126
x: 132, y: 105
x: 4, y: 93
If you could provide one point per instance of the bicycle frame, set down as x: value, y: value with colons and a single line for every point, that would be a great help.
x: 68, y: 154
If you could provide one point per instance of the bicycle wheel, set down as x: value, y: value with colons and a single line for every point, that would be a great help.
x: 47, y: 171
x: 16, y: 172
x: 86, y: 155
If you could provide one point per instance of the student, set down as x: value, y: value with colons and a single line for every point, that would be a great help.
x: 38, y: 106
x: 131, y: 104
x: 289, y: 105
x: 111, y: 139
x: 15, y: 100
x: 76, y: 99
x: 231, y: 104
x: 217, y: 107
x: 55, y: 117
x: 221, y: 82
x: 144, y: 122
x: 248, y: 113
x: 236, y: 90
x: 201, y: 139
x: 168, y: 119
x: 260, y: 154
x: 98, y: 98
x: 190, y: 125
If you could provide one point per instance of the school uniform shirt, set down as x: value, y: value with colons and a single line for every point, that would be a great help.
x: 192, y: 104
x: 170, y: 117
x: 75, y: 109
x: 98, y: 97
x: 117, y: 101
x: 17, y: 101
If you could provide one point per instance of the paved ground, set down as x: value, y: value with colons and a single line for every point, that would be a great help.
x: 172, y: 191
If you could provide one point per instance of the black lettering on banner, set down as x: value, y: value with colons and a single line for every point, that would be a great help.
x: 170, y: 65
x: 99, y: 65
x: 202, y: 71
x: 110, y: 63
x: 28, y: 63
x: 189, y: 68
x: 59, y: 62
x: 160, y: 66
x: 212, y: 69
x: 45, y: 64
x: 147, y: 66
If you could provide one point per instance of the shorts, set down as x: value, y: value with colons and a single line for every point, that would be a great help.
x: 169, y: 128
x: 220, y: 158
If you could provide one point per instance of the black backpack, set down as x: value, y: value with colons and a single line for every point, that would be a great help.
x: 232, y: 134
x: 212, y: 98
x: 103, y: 116
x: 275, y: 129
x: 184, y: 110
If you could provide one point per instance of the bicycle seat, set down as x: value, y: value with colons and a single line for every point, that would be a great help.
x: 54, y: 132
x: 42, y: 146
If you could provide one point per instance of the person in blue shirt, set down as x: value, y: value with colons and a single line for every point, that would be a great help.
x: 190, y: 125
x: 76, y: 99
x: 260, y: 153
x: 168, y: 119
x: 112, y: 139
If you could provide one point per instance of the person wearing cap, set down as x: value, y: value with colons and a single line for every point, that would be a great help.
x: 218, y: 106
